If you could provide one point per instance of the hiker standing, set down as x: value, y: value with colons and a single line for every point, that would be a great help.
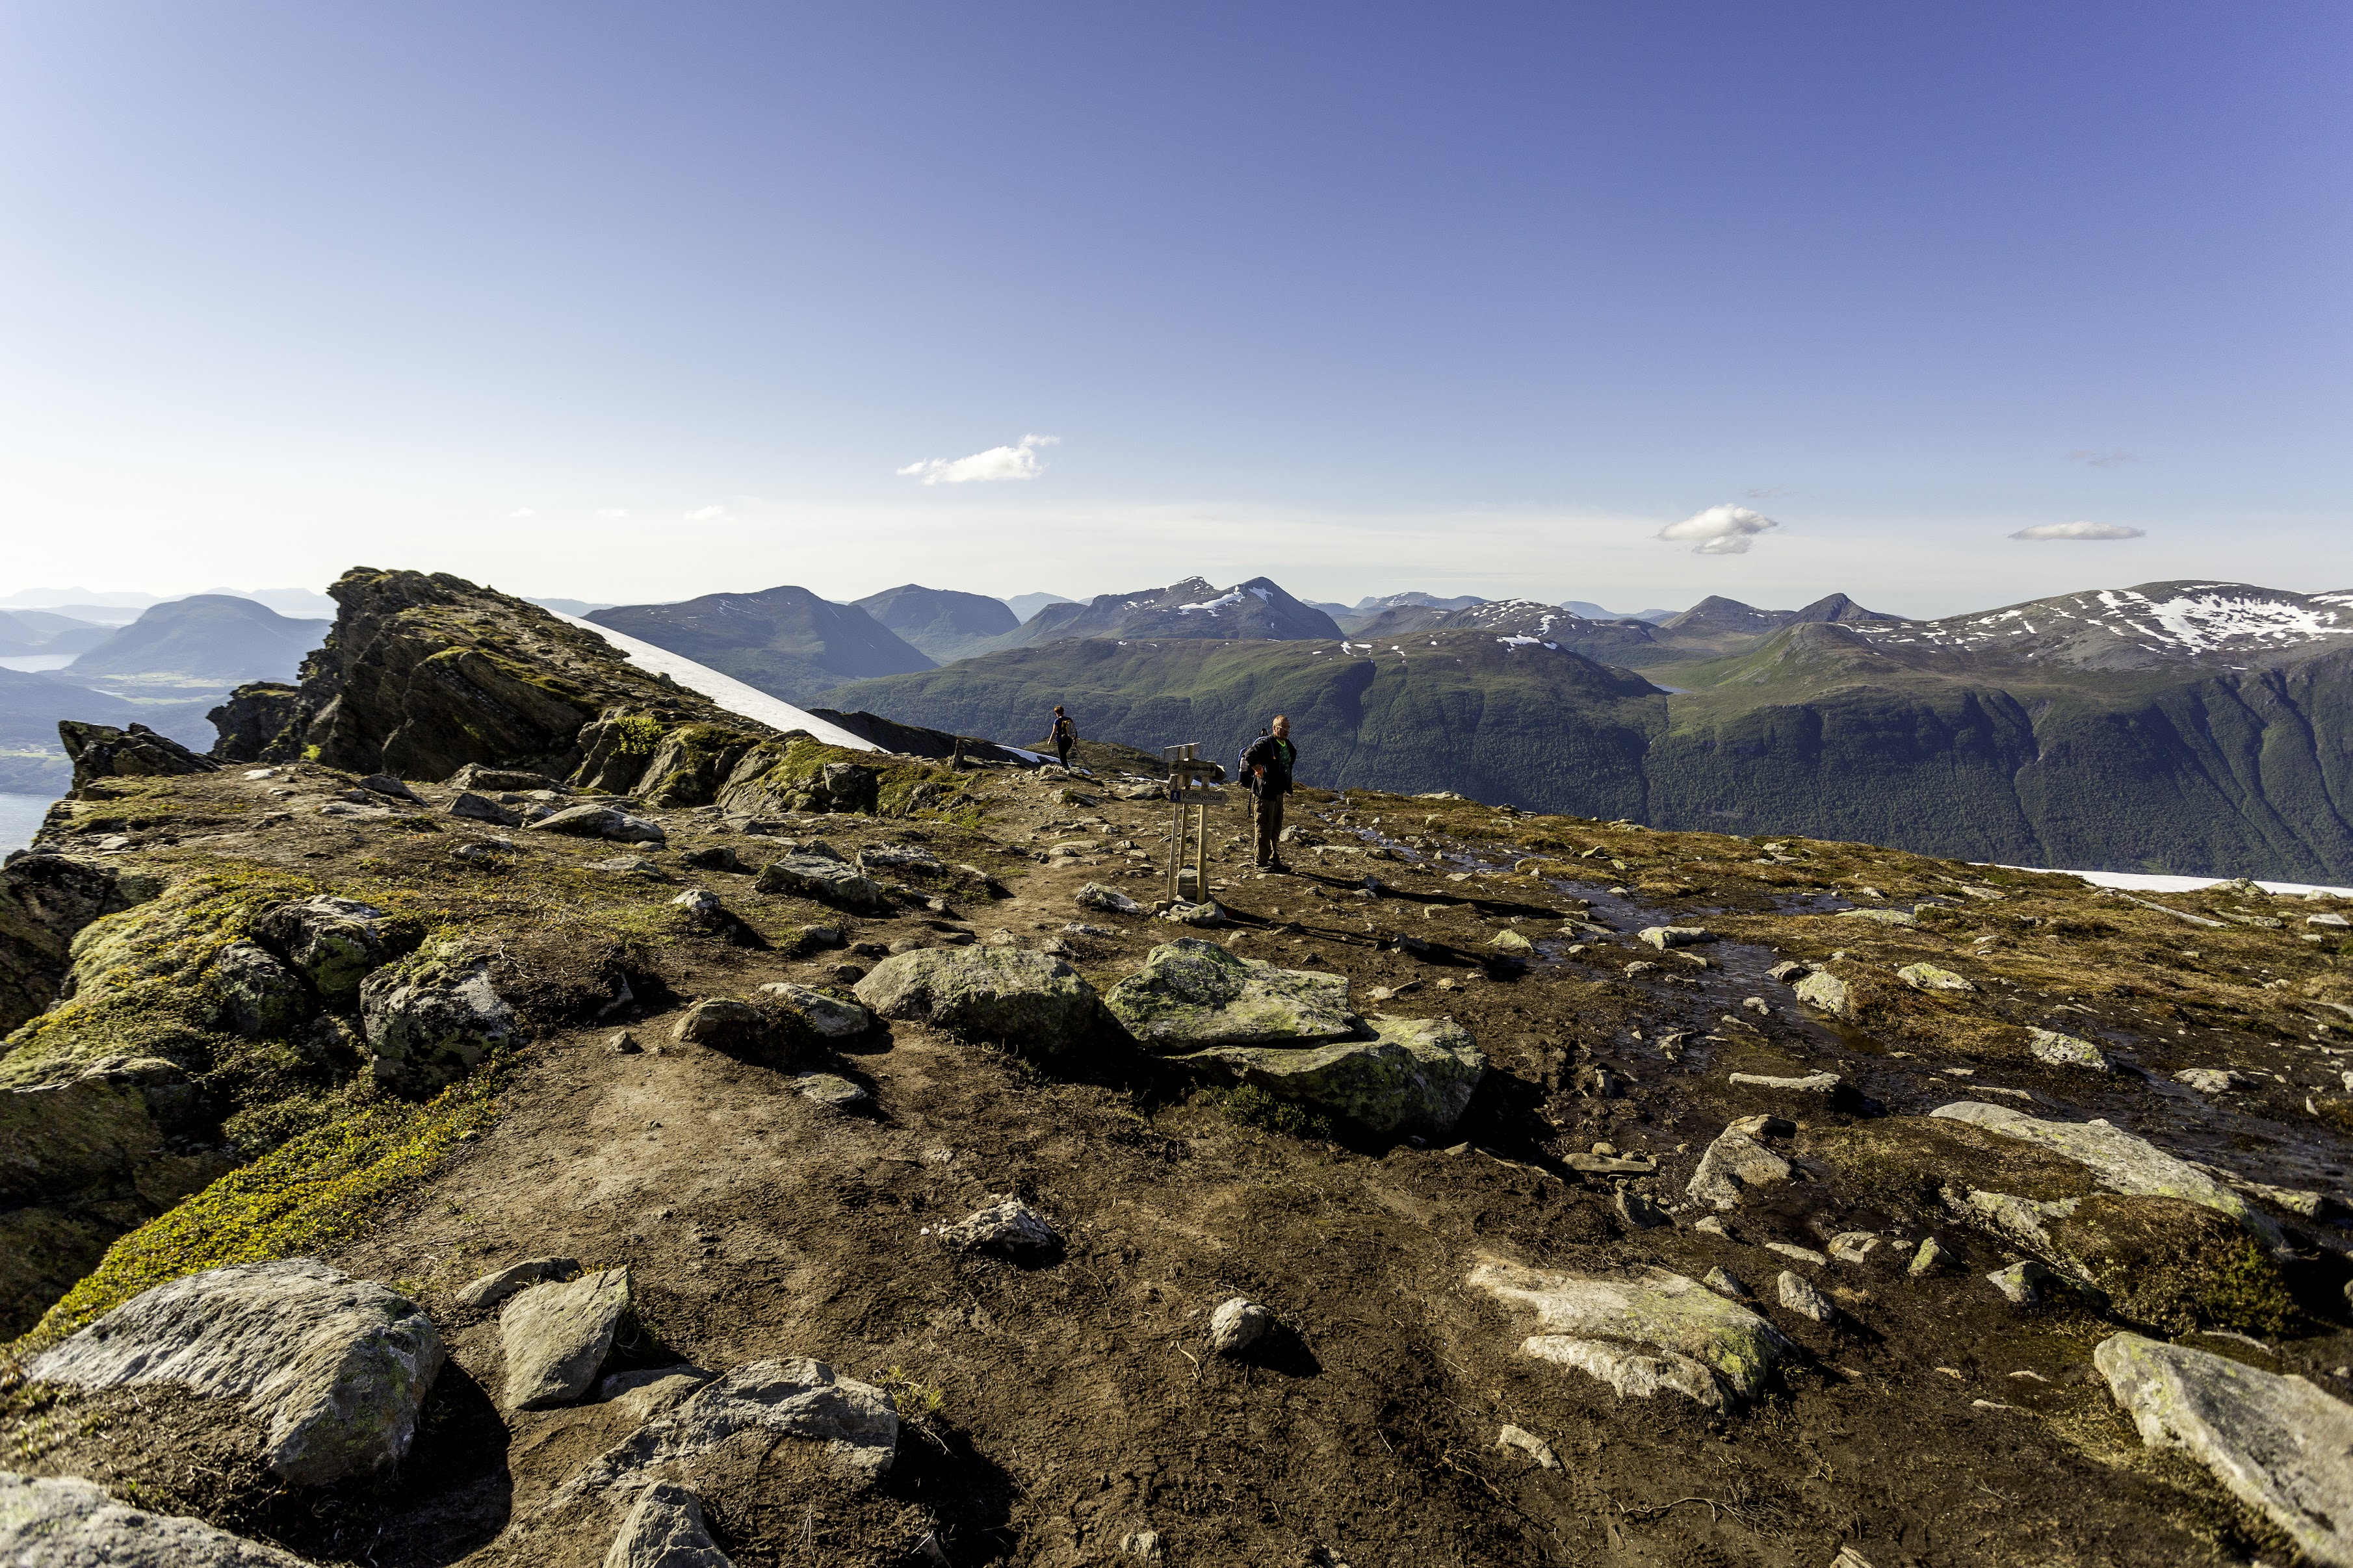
x: 1270, y: 762
x: 1064, y: 735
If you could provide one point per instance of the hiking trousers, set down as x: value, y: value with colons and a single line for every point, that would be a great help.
x: 1266, y: 815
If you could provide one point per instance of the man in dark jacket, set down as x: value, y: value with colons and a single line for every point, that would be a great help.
x: 1268, y: 764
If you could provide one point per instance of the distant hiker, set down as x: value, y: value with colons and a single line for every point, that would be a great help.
x: 1268, y: 764
x: 1064, y: 735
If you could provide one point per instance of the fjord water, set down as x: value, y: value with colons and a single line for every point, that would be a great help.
x: 20, y: 819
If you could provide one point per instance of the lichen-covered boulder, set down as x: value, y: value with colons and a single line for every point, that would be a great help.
x: 430, y: 1023
x: 1735, y: 1163
x: 665, y: 1530
x: 1929, y: 977
x: 556, y: 1335
x: 1650, y: 1332
x: 335, y: 943
x: 827, y: 1017
x: 1415, y: 1075
x: 2278, y: 1444
x: 64, y: 1521
x: 336, y: 1368
x: 828, y: 880
x: 261, y: 997
x: 1031, y: 1001
x: 2055, y: 1049
x: 1825, y: 992
x: 1192, y: 994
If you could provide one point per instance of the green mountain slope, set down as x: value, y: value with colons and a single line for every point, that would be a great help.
x: 786, y: 641
x: 2224, y: 762
x: 942, y: 623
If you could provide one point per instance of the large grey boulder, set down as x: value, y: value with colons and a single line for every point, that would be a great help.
x: 1643, y: 1334
x: 1031, y: 1000
x: 1826, y: 993
x: 1734, y: 1164
x: 335, y: 943
x: 260, y: 996
x: 1415, y: 1075
x: 805, y: 1400
x: 1192, y: 994
x: 429, y: 1024
x: 828, y: 880
x: 665, y: 1530
x: 557, y: 1336
x: 336, y: 1368
x: 64, y: 1521
x: 2118, y: 1161
x: 2278, y: 1444
x: 602, y: 821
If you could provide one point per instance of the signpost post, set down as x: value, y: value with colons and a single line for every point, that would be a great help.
x: 1191, y: 789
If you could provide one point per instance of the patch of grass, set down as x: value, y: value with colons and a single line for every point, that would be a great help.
x: 315, y: 1191
x: 1250, y: 1106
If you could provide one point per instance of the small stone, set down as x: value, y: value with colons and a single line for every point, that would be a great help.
x: 624, y: 1043
x: 1854, y: 1246
x: 1758, y: 1005
x: 1929, y: 977
x: 1238, y: 1324
x: 1640, y: 966
x: 832, y: 1019
x: 1763, y: 1126
x: 2055, y: 1049
x: 702, y: 908
x: 1709, y: 1225
x: 1791, y: 1250
x: 1528, y: 1443
x: 1823, y: 1083
x: 1511, y: 941
x: 2024, y: 1283
x: 557, y: 1336
x: 1008, y: 1228
x: 1801, y: 1298
x: 830, y: 1090
x: 1109, y: 900
x: 2210, y: 1080
x: 1665, y: 937
x: 1933, y: 1256
x: 665, y: 1530
x: 1789, y: 972
x: 1721, y: 1281
x: 1637, y: 1210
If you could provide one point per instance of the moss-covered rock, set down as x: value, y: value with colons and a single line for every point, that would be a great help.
x: 46, y: 901
x: 335, y: 943
x: 1415, y: 1075
x: 1192, y: 994
x: 1030, y: 1001
x: 432, y: 1020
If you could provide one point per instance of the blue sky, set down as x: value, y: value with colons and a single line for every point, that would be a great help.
x: 639, y: 302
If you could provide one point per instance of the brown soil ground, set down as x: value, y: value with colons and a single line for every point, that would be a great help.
x: 1076, y: 1405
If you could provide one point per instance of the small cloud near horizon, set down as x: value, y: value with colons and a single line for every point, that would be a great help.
x: 612, y: 511
x: 522, y: 511
x: 1720, y: 530
x: 2097, y: 459
x: 706, y: 515
x: 2080, y: 530
x: 1016, y: 462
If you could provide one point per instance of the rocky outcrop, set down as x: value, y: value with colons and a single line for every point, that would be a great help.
x: 102, y: 752
x: 2278, y: 1444
x: 1192, y: 994
x: 1030, y: 1001
x: 336, y: 1368
x: 1644, y: 1334
x: 260, y: 994
x: 46, y: 900
x: 64, y: 1521
x: 254, y: 724
x: 1415, y: 1075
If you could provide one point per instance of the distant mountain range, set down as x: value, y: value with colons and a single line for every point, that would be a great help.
x: 786, y: 641
x: 2193, y: 727
x: 941, y: 623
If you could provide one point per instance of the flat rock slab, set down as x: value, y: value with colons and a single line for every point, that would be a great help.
x: 1644, y: 1333
x: 1415, y: 1075
x: 1192, y: 994
x: 828, y: 881
x: 557, y: 1336
x: 831, y: 1091
x: 801, y: 1399
x: 1029, y: 1000
x: 336, y: 1368
x: 666, y: 1530
x: 2055, y: 1049
x: 64, y: 1521
x: 1813, y: 1083
x: 2278, y: 1444
x: 602, y: 821
x: 2118, y: 1161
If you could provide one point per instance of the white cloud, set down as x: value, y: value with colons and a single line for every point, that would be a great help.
x: 706, y: 515
x: 1018, y: 462
x: 2078, y: 530
x: 522, y: 511
x: 1720, y: 530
